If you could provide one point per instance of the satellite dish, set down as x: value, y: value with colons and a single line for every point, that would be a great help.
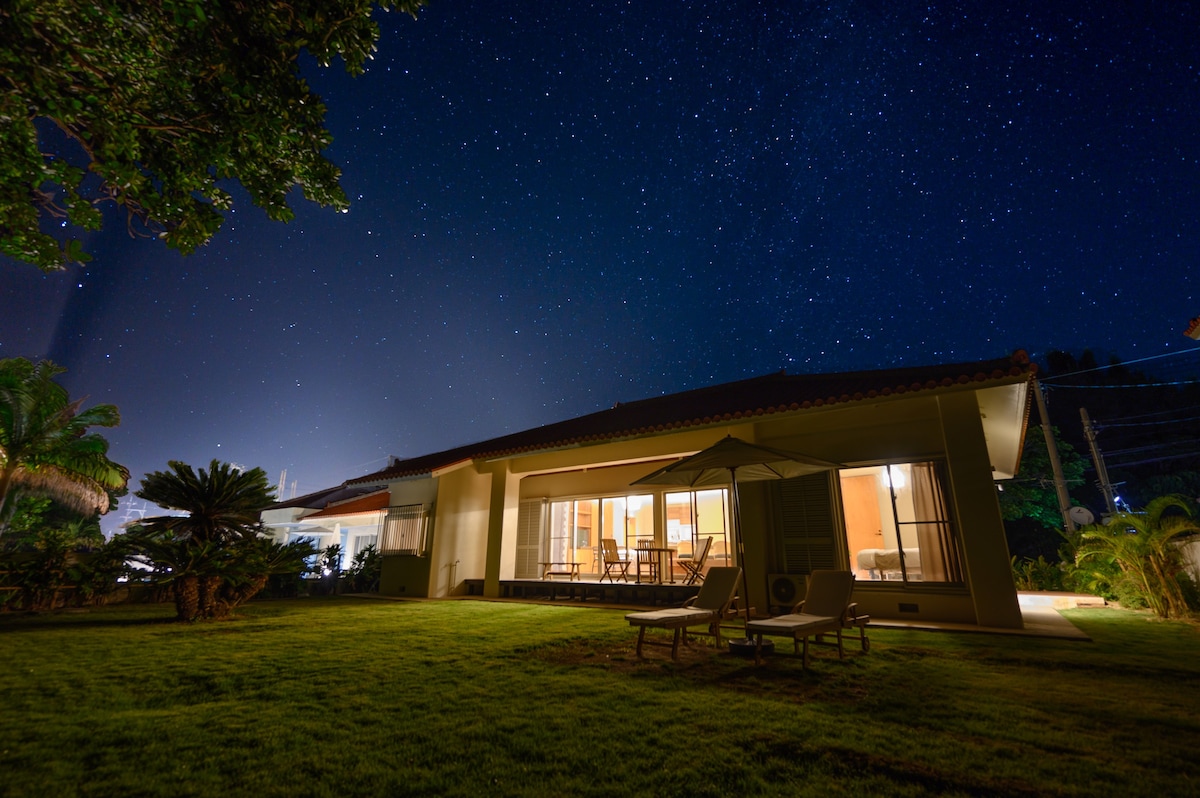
x: 1081, y: 516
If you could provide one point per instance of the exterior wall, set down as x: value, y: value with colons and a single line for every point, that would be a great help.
x: 985, y: 548
x: 460, y: 531
x: 476, y: 513
x: 405, y: 575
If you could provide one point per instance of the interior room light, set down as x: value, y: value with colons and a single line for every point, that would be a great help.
x: 893, y: 477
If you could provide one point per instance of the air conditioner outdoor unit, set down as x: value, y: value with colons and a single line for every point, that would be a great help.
x: 786, y: 589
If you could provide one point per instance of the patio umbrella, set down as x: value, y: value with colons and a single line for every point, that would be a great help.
x: 728, y: 462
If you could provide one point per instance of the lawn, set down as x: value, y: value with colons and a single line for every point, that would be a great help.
x: 345, y: 696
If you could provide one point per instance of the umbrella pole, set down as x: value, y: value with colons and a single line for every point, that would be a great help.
x: 741, y: 546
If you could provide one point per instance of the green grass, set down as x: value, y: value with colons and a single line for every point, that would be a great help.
x: 359, y: 697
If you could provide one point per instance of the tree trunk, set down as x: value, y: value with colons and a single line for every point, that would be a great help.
x: 210, y: 596
x: 187, y: 598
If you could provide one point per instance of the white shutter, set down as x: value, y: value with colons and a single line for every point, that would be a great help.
x: 531, y: 520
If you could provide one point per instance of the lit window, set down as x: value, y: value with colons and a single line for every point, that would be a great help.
x: 898, y: 526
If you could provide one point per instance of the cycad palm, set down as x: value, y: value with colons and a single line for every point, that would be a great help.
x: 213, y: 557
x: 222, y: 503
x: 45, y: 446
x: 1144, y: 546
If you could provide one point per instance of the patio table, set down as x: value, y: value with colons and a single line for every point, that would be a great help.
x: 653, y: 556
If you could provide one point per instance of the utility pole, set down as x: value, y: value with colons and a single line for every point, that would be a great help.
x: 1098, y: 461
x: 1060, y: 482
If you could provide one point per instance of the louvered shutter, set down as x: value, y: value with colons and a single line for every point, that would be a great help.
x: 808, y: 529
x: 531, y: 520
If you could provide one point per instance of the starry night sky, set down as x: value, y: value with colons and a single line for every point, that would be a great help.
x: 557, y: 206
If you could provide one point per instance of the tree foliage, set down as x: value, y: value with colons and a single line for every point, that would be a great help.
x: 213, y: 557
x: 45, y: 446
x: 152, y: 105
x: 1032, y: 494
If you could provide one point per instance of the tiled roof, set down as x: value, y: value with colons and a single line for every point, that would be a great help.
x: 372, y: 502
x: 321, y: 498
x: 732, y: 401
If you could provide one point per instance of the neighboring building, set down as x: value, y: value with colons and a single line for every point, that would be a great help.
x: 913, y: 511
x: 350, y: 517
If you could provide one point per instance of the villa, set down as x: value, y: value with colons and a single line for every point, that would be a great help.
x: 908, y: 501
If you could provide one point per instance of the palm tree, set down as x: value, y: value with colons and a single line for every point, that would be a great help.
x: 213, y: 556
x: 1144, y: 547
x: 45, y: 446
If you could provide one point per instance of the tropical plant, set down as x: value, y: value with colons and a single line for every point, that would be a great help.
x: 51, y: 567
x: 1144, y: 548
x: 156, y: 106
x: 214, y: 556
x: 329, y: 568
x: 45, y: 446
x: 363, y: 574
x: 1040, y: 574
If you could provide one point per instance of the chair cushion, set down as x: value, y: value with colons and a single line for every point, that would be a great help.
x: 793, y: 624
x: 672, y: 617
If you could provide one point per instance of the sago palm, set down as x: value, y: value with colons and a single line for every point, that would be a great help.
x: 45, y: 446
x: 213, y: 556
x: 1145, y: 547
x: 221, y: 504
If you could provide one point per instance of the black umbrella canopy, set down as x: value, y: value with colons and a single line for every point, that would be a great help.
x: 749, y: 462
x: 730, y: 461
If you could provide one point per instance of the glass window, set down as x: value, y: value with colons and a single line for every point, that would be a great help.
x: 695, y: 515
x: 575, y: 527
x: 570, y: 536
x: 898, y: 526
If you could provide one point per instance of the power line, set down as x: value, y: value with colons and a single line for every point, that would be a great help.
x: 1173, y: 383
x: 1159, y: 459
x: 1111, y: 425
x: 1127, y: 363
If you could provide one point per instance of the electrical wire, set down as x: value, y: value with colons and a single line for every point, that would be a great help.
x: 1099, y: 425
x: 1128, y: 363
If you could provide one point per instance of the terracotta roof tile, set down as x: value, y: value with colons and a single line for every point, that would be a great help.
x: 754, y: 397
x: 372, y: 502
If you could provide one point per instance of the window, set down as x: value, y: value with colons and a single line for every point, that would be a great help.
x: 574, y: 528
x: 569, y: 538
x: 404, y: 530
x: 697, y: 514
x: 570, y: 530
x: 898, y: 527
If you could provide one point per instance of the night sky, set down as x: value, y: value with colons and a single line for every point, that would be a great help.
x: 557, y: 206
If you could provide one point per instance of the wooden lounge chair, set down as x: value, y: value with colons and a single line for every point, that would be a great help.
x: 826, y: 609
x: 693, y: 567
x: 611, y: 556
x: 707, y: 608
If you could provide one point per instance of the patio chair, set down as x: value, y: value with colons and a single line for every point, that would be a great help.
x: 706, y: 608
x: 694, y: 566
x: 648, y: 557
x: 827, y: 609
x: 613, y: 563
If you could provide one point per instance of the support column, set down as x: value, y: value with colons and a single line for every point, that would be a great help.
x: 504, y: 498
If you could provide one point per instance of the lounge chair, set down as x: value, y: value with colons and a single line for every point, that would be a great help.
x: 694, y: 566
x: 827, y: 609
x: 613, y: 563
x: 707, y: 608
